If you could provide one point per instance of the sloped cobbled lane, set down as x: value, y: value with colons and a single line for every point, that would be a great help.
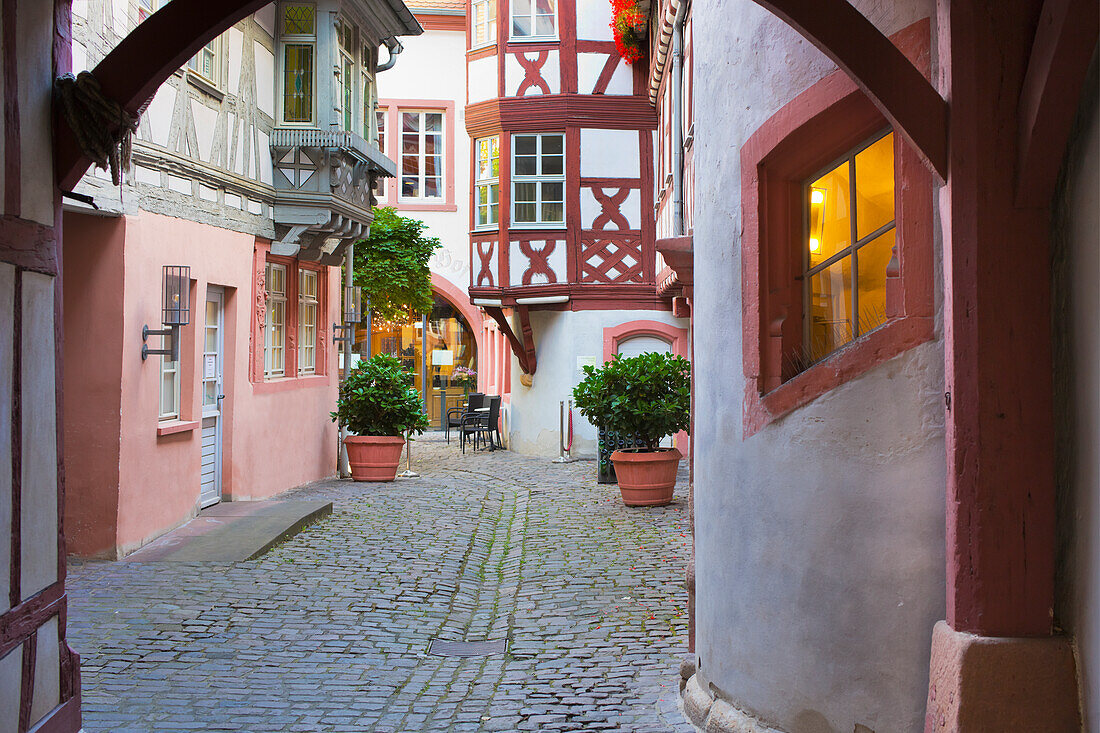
x: 330, y: 630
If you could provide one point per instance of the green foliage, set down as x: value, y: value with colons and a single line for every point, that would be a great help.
x: 392, y: 266
x: 648, y: 396
x: 378, y: 399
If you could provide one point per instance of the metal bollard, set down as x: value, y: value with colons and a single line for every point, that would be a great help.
x: 563, y: 450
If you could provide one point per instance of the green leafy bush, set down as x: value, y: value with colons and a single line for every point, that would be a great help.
x: 392, y: 267
x: 648, y: 396
x: 378, y: 399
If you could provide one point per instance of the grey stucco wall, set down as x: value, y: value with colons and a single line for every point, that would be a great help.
x: 560, y: 339
x: 819, y: 540
x: 1076, y: 242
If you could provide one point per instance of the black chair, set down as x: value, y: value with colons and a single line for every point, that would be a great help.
x: 455, y: 414
x: 482, y: 422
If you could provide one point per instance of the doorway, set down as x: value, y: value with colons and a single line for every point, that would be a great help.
x: 210, y: 491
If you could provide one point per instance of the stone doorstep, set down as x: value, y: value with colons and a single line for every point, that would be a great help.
x: 233, y: 531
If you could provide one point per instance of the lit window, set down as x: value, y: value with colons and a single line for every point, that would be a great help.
x: 169, y: 385
x: 275, y: 332
x: 533, y: 19
x: 849, y: 245
x: 298, y: 34
x: 205, y: 62
x: 487, y: 184
x: 485, y: 22
x: 307, y: 322
x: 538, y: 180
x: 421, y: 155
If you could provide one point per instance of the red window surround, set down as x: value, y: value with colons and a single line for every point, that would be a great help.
x: 815, y: 128
x: 393, y: 109
x: 292, y: 380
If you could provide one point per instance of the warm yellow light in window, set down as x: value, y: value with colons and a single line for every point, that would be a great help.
x: 817, y: 197
x: 815, y: 244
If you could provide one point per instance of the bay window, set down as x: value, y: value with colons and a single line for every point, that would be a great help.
x: 421, y: 155
x: 534, y: 19
x: 487, y: 182
x: 275, y: 331
x: 484, y: 22
x: 345, y: 35
x: 538, y: 180
x: 298, y: 40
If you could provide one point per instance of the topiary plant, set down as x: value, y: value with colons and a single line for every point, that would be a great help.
x: 648, y: 396
x: 377, y: 398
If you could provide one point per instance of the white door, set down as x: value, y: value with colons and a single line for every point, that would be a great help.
x: 211, y: 372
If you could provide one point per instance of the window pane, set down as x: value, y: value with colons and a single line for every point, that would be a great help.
x: 829, y: 223
x: 410, y: 165
x: 553, y: 213
x: 298, y: 20
x: 551, y: 144
x: 830, y: 325
x: 544, y: 25
x: 298, y: 83
x: 410, y: 122
x: 875, y: 186
x: 525, y: 144
x: 873, y: 259
x: 526, y: 191
x: 526, y: 165
x: 433, y: 144
x: 410, y: 144
x: 553, y: 192
x: 410, y: 187
x: 544, y: 7
x: 433, y: 122
x: 433, y: 188
x: 433, y: 165
x: 525, y: 213
x: 552, y: 165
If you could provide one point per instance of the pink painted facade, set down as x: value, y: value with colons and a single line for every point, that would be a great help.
x: 136, y: 476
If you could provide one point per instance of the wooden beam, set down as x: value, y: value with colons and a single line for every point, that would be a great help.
x: 899, y: 90
x: 1064, y: 43
x: 133, y: 71
x: 523, y: 349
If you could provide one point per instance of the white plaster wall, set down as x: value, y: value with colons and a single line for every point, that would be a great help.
x: 1077, y: 389
x: 562, y: 339
x: 433, y: 67
x: 11, y: 682
x: 514, y: 74
x: 593, y: 21
x: 591, y: 65
x: 518, y: 262
x: 631, y: 209
x: 609, y: 153
x: 819, y: 540
x: 483, y: 79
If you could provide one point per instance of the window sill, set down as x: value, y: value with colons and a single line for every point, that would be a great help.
x: 845, y: 364
x: 538, y: 227
x: 284, y: 384
x: 205, y: 86
x: 171, y: 427
x: 425, y: 206
x: 534, y: 39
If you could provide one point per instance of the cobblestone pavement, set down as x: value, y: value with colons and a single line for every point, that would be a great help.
x: 330, y: 630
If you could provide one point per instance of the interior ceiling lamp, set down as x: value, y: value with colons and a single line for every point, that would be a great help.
x: 817, y: 218
x: 175, y: 311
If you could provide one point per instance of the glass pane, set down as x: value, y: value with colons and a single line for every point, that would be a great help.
x: 526, y: 192
x: 211, y: 313
x: 168, y: 393
x: 410, y: 143
x: 209, y: 396
x: 298, y: 20
x: 298, y: 83
x: 410, y: 187
x: 410, y: 164
x: 544, y: 7
x: 552, y: 144
x: 525, y: 144
x: 553, y: 192
x: 433, y: 122
x: 552, y: 165
x: 875, y: 186
x: 210, y: 342
x: 433, y: 165
x: 410, y: 122
x: 526, y: 165
x: 828, y: 214
x: 830, y: 309
x: 525, y: 213
x: 521, y: 26
x: 521, y: 7
x: 873, y: 259
x: 433, y: 144
x: 553, y: 213
x: 544, y: 25
x: 494, y: 194
x: 433, y: 188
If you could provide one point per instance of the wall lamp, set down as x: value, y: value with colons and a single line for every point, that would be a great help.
x: 353, y: 312
x: 175, y: 311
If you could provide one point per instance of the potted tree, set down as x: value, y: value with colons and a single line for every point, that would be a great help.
x: 647, y: 396
x: 378, y: 404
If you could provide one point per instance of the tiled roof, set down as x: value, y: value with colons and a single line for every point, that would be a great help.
x: 418, y: 6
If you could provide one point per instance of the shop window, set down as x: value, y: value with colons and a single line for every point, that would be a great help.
x: 836, y: 248
x: 275, y: 334
x: 298, y: 33
x: 307, y: 322
x: 421, y: 155
x: 534, y: 19
x: 538, y: 180
x: 484, y: 22
x: 487, y: 182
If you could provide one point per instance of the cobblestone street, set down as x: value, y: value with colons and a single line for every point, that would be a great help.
x: 330, y: 630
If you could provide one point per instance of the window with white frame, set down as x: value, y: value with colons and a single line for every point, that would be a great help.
x: 169, y: 385
x: 538, y: 180
x: 369, y: 103
x: 534, y: 19
x: 275, y: 330
x: 487, y: 182
x: 380, y: 137
x: 298, y: 36
x: 421, y: 155
x: 345, y: 35
x: 484, y: 22
x: 206, y: 62
x: 307, y: 322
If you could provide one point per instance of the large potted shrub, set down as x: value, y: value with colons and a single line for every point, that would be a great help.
x: 379, y: 405
x: 648, y: 397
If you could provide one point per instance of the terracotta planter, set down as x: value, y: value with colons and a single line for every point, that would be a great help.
x: 373, y: 457
x: 646, y: 478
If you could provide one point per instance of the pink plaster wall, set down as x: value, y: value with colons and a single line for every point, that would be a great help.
x: 273, y: 439
x: 92, y: 284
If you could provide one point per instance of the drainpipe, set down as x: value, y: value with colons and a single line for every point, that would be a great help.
x: 343, y: 466
x: 395, y: 48
x: 677, y: 120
